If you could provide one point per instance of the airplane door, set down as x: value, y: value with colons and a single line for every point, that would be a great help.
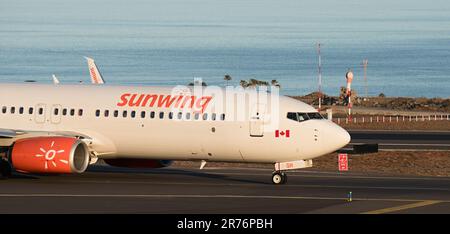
x: 39, y: 114
x: 257, y: 120
x: 56, y: 114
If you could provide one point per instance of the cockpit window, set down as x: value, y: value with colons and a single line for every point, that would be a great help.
x: 315, y: 115
x: 292, y: 115
x: 300, y: 117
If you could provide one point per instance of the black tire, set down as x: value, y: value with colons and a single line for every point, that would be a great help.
x: 279, y: 178
x: 5, y: 169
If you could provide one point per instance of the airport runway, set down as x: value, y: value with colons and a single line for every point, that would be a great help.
x: 402, y: 140
x: 231, y: 191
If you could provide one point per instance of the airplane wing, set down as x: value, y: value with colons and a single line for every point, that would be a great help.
x: 55, y: 79
x: 14, y: 133
x: 7, y: 133
x: 96, y: 77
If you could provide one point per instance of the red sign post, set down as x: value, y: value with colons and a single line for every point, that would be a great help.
x: 343, y: 162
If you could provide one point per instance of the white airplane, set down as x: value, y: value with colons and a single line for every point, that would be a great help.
x: 96, y: 76
x: 58, y: 129
x: 55, y: 79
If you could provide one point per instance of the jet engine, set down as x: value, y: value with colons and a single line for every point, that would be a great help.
x: 53, y: 155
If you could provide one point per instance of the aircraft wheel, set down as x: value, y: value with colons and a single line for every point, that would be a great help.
x: 5, y: 168
x: 279, y: 178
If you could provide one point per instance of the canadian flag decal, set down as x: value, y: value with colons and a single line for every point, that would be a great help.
x: 285, y: 133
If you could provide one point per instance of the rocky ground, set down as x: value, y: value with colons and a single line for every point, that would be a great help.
x: 384, y: 163
x: 392, y: 103
x: 425, y: 113
x: 393, y: 163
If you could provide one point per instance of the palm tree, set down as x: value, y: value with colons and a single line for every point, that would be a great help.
x: 275, y: 83
x: 254, y: 83
x: 244, y: 83
x: 227, y: 78
x: 197, y: 83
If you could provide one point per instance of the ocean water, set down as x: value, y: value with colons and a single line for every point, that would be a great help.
x: 167, y: 42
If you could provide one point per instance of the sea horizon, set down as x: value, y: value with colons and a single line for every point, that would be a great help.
x: 407, y: 43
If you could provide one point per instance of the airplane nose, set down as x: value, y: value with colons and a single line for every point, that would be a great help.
x: 345, y: 136
x: 338, y: 137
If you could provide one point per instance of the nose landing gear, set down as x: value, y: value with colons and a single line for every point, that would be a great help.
x: 279, y: 177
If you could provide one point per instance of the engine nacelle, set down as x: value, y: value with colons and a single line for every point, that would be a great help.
x: 137, y: 163
x: 57, y: 155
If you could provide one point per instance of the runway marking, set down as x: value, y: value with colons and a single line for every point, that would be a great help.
x: 403, y: 207
x: 293, y: 173
x: 256, y: 185
x: 339, y: 176
x: 344, y: 199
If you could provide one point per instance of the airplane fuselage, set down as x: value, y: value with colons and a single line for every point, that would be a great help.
x: 149, y: 126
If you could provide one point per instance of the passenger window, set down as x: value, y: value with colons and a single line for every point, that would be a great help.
x: 161, y: 115
x: 97, y: 113
x: 196, y: 116
x: 213, y: 116
x: 72, y: 112
x: 4, y: 109
x: 21, y: 110
x: 124, y: 114
x: 41, y: 111
x: 106, y: 114
x: 13, y: 110
x: 142, y: 114
x: 152, y: 114
x: 133, y: 114
x: 180, y: 115
x: 64, y: 112
x: 80, y: 112
x: 222, y: 117
x: 205, y: 116
x: 30, y: 110
x: 56, y: 111
x: 188, y: 116
x: 116, y: 113
x: 170, y: 115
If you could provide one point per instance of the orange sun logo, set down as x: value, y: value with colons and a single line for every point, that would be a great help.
x: 50, y: 156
